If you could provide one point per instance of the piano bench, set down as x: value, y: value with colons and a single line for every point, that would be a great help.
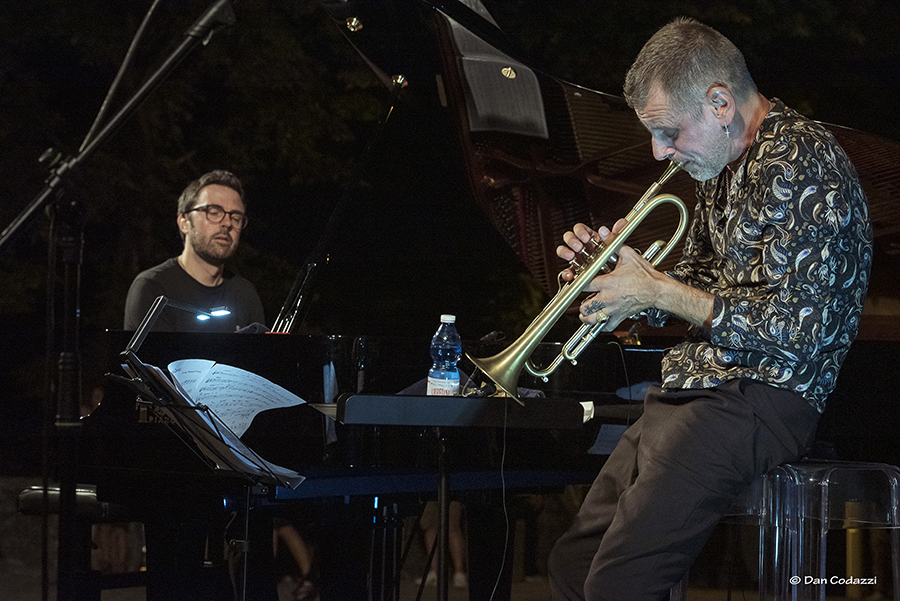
x: 87, y: 507
x: 88, y: 511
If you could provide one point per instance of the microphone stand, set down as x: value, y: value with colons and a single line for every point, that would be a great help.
x: 67, y: 229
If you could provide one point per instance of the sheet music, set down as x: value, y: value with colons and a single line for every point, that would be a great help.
x: 235, y: 395
x: 220, y: 444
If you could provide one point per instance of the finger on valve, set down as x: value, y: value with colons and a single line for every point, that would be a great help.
x: 580, y: 243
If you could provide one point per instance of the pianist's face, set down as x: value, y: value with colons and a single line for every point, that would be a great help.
x: 700, y: 143
x: 214, y: 242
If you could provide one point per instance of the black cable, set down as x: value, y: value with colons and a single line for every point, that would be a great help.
x: 503, y: 498
x: 625, y: 373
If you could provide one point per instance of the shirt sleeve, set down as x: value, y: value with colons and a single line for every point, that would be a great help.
x: 141, y: 294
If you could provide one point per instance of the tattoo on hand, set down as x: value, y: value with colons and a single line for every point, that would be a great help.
x: 593, y: 307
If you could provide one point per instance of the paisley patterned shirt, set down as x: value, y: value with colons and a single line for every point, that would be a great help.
x: 786, y: 249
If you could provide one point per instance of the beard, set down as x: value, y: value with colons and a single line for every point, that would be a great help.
x: 708, y: 166
x: 210, y: 250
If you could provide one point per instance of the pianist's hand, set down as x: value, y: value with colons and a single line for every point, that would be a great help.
x: 253, y: 328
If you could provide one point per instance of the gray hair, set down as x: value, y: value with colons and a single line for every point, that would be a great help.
x: 686, y: 58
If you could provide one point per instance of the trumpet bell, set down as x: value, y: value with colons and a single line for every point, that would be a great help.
x: 502, y: 370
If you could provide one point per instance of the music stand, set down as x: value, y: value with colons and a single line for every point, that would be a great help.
x: 196, y: 425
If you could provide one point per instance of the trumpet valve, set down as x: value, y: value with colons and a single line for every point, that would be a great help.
x: 589, y: 249
x: 654, y: 250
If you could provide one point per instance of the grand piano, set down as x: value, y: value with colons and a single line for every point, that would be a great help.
x: 534, y: 154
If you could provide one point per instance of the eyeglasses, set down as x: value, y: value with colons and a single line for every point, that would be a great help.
x: 216, y: 214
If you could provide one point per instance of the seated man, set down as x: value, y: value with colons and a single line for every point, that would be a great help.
x: 210, y: 218
x: 772, y: 281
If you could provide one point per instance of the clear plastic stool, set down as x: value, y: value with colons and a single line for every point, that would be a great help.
x: 797, y: 504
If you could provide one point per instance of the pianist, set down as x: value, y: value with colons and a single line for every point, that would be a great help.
x: 211, y: 216
x: 772, y: 282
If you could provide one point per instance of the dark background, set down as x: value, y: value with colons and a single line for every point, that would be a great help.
x: 283, y: 100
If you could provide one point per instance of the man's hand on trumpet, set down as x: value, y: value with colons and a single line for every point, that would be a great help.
x: 618, y: 294
x: 633, y: 286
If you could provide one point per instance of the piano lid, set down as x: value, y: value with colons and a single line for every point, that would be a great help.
x: 539, y: 154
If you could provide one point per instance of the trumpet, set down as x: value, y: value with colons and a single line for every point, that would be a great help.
x: 505, y: 367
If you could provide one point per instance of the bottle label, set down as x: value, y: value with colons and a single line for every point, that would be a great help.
x: 442, y: 387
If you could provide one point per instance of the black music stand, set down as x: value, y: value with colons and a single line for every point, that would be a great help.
x: 198, y: 426
x: 441, y: 412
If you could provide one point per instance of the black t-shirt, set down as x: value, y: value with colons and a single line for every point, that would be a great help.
x: 168, y: 279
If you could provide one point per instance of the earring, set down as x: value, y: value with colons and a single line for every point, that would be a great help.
x: 725, y: 127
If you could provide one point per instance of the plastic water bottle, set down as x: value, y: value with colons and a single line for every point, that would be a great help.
x: 446, y: 348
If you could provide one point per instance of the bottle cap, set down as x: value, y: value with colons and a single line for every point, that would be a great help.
x: 448, y: 318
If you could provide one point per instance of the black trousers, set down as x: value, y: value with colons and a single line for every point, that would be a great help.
x: 668, y: 482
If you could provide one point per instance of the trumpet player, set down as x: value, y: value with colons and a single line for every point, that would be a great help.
x: 772, y: 282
